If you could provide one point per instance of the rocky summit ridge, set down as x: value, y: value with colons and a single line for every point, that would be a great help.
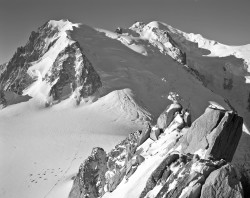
x: 171, y: 159
x: 53, y: 63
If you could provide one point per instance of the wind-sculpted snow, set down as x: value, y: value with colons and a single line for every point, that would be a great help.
x: 167, y: 167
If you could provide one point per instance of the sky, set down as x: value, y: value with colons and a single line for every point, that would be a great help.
x: 226, y: 21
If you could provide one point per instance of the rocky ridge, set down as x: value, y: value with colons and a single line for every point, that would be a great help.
x: 171, y: 159
x: 69, y: 73
x: 160, y: 39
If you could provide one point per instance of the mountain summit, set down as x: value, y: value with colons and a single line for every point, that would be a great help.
x: 72, y: 87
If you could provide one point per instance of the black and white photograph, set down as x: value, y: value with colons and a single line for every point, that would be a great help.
x: 124, y: 98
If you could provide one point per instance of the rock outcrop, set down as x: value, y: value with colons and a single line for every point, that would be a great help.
x: 189, y: 162
x: 115, y: 165
x: 15, y: 77
x: 72, y: 68
x: 3, y: 101
x: 184, y: 177
x: 90, y: 179
x: 168, y: 115
x: 215, y: 134
x: 161, y: 39
x: 223, y: 182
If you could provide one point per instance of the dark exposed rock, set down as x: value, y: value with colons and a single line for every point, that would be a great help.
x: 202, y: 78
x: 71, y: 71
x: 158, y: 174
x: 190, y: 176
x: 90, y: 180
x: 182, y: 58
x: 118, y: 30
x: 72, y: 68
x: 180, y: 172
x: 132, y: 165
x: 3, y: 67
x: 15, y: 78
x: 3, y: 102
x: 107, y: 170
x: 187, y: 118
x: 120, y: 160
x: 216, y: 131
x: 145, y: 134
x: 248, y: 100
x: 223, y: 141
x: 222, y: 183
x: 168, y: 115
x: 10, y: 98
x: 244, y: 173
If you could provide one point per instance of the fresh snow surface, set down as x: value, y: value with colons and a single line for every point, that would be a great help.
x: 42, y: 148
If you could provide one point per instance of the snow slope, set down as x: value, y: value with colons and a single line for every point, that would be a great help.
x: 41, y: 149
x: 216, y: 49
x: 151, y: 77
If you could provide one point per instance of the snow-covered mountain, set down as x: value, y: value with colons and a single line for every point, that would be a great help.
x: 177, y: 162
x: 72, y: 87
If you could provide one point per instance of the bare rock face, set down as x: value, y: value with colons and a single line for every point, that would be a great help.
x: 3, y: 102
x: 102, y: 173
x: 187, y: 118
x: 216, y: 133
x: 168, y: 115
x: 193, y: 164
x: 15, y: 77
x: 222, y: 183
x: 120, y: 160
x: 186, y: 176
x: 160, y: 173
x: 181, y: 55
x: 73, y: 69
x: 71, y: 72
x: 90, y: 180
x: 145, y: 134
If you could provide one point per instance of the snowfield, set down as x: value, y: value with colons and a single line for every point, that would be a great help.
x: 41, y: 148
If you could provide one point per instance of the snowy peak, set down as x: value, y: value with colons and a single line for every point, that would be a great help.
x: 61, y: 25
x: 50, y: 52
x: 72, y: 72
x: 222, y: 68
x: 215, y: 48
